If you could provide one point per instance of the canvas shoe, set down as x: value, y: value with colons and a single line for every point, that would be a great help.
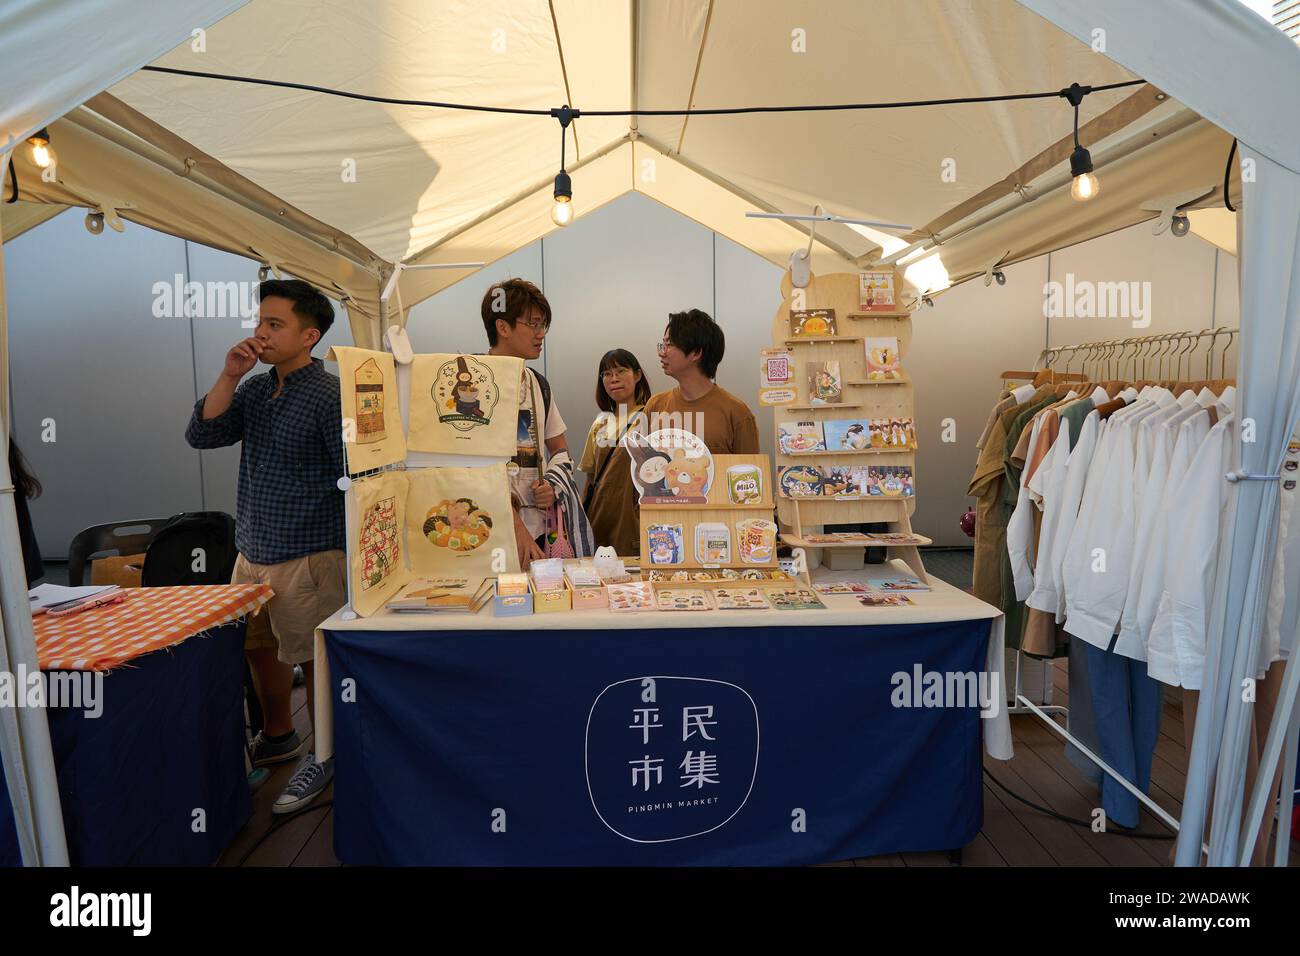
x: 305, y: 785
x: 266, y: 753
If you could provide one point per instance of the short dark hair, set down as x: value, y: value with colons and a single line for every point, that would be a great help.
x: 509, y: 300
x: 309, y: 303
x: 695, y: 331
x: 619, y: 358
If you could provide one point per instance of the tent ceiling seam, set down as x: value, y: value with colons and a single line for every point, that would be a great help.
x: 748, y: 197
x: 699, y: 59
x: 546, y: 183
x: 564, y: 74
x: 633, y: 94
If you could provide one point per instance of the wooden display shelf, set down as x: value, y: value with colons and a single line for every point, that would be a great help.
x: 797, y: 542
x: 822, y: 339
x: 840, y: 292
x: 879, y: 381
x: 848, y: 451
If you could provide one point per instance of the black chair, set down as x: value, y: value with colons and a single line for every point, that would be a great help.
x: 107, y: 540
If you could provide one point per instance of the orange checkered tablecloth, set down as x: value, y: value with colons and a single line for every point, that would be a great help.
x: 149, y: 619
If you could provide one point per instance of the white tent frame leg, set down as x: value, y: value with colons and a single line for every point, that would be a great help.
x: 25, y: 749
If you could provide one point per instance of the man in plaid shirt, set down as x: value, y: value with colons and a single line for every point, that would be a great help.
x: 289, y: 511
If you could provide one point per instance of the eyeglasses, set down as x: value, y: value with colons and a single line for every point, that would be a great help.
x: 663, y: 347
x: 534, y: 324
x: 615, y: 372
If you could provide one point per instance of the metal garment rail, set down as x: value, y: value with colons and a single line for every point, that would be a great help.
x: 1098, y: 356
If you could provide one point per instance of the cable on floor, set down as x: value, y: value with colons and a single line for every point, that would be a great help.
x: 1078, y: 823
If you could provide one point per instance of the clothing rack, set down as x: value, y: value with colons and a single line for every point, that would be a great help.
x: 1174, y: 346
x: 1167, y: 352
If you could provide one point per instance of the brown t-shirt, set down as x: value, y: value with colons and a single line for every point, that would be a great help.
x: 720, y: 419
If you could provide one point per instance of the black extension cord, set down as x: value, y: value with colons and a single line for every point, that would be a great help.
x: 1078, y: 823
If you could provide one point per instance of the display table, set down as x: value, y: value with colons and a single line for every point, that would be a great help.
x: 165, y: 737
x: 594, y: 738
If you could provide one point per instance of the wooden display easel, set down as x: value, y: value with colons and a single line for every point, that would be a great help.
x: 863, y: 399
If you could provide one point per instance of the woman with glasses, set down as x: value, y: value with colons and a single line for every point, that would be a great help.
x: 611, y: 499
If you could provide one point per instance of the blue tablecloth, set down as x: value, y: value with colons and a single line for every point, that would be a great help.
x: 728, y: 746
x: 169, y: 742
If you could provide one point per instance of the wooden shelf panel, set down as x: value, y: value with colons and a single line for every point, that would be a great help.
x: 798, y: 542
x: 878, y: 381
x: 879, y: 315
x: 817, y: 408
x: 847, y: 451
x: 822, y: 339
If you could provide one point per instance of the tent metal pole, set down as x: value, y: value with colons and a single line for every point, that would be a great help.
x: 27, y: 757
x: 1285, y: 725
x: 1282, y: 849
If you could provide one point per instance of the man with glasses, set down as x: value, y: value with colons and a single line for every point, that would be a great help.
x: 516, y: 317
x: 692, y: 347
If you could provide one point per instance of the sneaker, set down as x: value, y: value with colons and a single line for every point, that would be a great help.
x: 305, y: 785
x: 266, y: 753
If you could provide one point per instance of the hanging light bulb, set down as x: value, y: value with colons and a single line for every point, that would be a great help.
x: 42, y: 153
x: 562, y: 211
x: 1085, y: 185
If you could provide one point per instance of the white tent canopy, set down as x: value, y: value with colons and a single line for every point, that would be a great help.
x: 353, y: 187
x: 339, y: 190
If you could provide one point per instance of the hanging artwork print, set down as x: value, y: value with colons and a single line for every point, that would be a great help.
x: 465, y: 404
x: 376, y: 566
x: 670, y: 466
x: 457, y: 519
x: 372, y: 420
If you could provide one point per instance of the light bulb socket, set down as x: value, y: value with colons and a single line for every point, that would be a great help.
x: 40, y: 138
x: 563, y: 187
x: 1080, y: 161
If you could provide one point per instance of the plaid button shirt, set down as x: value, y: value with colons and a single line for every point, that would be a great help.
x: 288, y: 504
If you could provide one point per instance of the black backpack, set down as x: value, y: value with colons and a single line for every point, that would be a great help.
x: 171, y: 557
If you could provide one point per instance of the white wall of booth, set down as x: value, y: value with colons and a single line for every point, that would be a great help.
x: 113, y: 385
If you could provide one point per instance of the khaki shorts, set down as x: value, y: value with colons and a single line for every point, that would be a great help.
x: 307, y: 591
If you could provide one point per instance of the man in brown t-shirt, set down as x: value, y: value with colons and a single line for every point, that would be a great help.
x: 692, y: 347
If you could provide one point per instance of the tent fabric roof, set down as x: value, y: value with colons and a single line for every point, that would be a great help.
x: 340, y: 189
x: 424, y: 174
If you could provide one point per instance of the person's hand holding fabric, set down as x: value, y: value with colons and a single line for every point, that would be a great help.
x: 543, y: 494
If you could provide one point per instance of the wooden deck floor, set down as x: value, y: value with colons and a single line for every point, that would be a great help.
x: 1014, y: 834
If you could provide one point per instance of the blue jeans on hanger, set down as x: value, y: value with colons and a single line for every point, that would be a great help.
x: 1126, y: 714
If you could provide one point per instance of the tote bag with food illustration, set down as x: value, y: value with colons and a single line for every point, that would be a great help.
x: 457, y: 519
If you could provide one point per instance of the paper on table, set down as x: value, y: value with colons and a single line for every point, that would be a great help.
x: 47, y: 595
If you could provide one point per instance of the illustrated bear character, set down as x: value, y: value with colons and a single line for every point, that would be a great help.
x: 688, y: 477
